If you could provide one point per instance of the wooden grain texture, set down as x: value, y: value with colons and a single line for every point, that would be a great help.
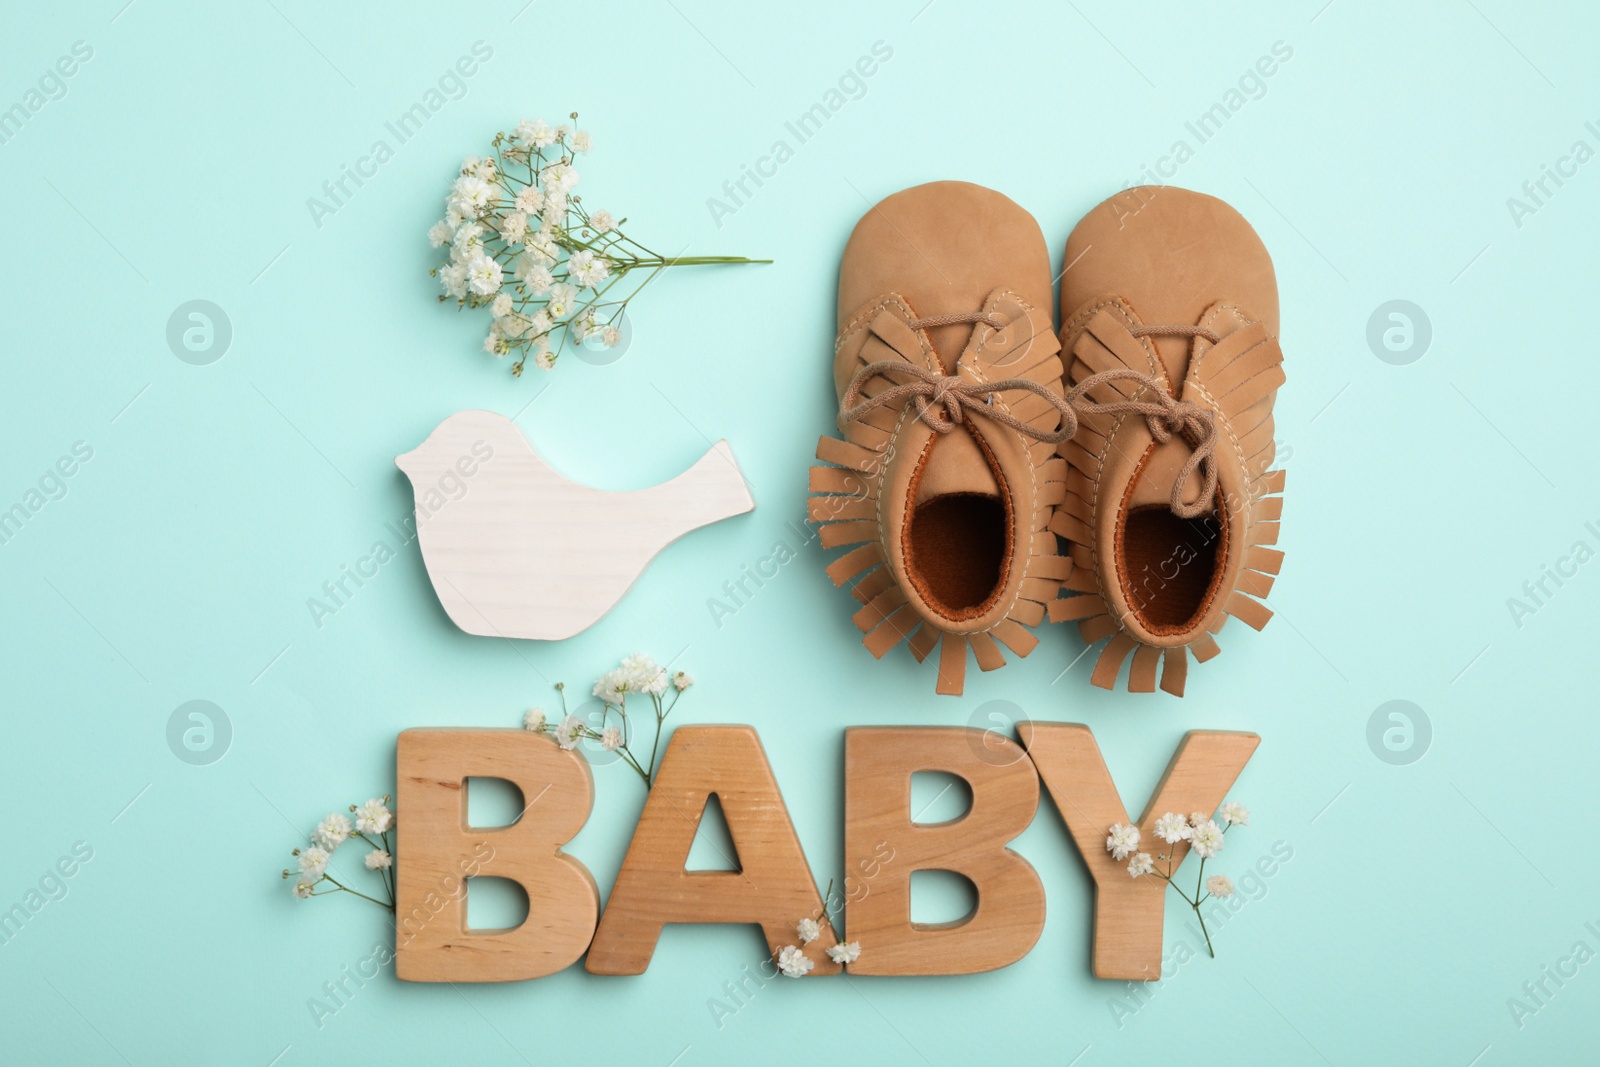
x: 516, y: 550
x: 879, y: 763
x: 436, y: 850
x: 1128, y: 911
x: 773, y: 886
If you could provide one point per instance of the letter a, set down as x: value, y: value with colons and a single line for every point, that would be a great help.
x: 773, y: 886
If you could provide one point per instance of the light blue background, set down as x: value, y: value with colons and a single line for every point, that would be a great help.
x: 1376, y: 165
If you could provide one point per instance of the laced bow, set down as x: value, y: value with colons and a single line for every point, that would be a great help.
x: 943, y: 401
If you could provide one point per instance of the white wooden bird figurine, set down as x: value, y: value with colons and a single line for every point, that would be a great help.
x: 515, y: 550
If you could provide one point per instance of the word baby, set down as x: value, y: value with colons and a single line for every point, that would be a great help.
x: 774, y: 885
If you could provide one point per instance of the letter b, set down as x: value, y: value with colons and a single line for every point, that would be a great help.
x: 437, y: 850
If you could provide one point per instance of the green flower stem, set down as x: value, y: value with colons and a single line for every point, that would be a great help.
x: 357, y: 892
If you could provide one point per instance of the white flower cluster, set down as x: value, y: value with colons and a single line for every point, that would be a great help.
x: 793, y: 963
x: 373, y: 822
x: 521, y: 244
x: 637, y: 674
x: 1204, y: 836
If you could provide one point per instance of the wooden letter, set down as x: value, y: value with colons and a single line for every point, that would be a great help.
x: 773, y: 886
x: 438, y: 851
x: 878, y: 765
x: 1128, y: 911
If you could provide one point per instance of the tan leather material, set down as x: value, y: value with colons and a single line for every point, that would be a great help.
x: 1167, y: 257
x: 946, y: 524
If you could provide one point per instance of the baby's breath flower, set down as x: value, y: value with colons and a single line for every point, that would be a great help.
x: 332, y: 831
x: 533, y: 720
x: 302, y: 890
x: 611, y: 738
x: 378, y: 860
x: 1235, y: 814
x: 793, y: 963
x: 848, y: 952
x: 602, y: 221
x: 681, y: 681
x: 1172, y: 828
x: 1141, y: 864
x: 483, y: 275
x: 808, y: 930
x: 1220, y: 886
x: 570, y: 732
x: 1206, y: 839
x: 313, y: 862
x: 1122, y: 841
x: 374, y: 817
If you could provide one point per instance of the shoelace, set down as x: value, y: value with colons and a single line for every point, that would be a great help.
x: 942, y: 401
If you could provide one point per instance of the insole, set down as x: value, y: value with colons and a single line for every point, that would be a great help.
x: 1170, y: 564
x: 958, y: 549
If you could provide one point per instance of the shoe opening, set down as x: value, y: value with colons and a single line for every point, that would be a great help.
x: 957, y: 551
x: 1170, y: 567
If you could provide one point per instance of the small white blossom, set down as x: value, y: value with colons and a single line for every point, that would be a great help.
x: 603, y: 221
x: 1206, y: 839
x: 494, y: 343
x: 467, y: 243
x: 570, y: 732
x: 543, y: 358
x: 537, y: 133
x: 302, y: 890
x: 1235, y: 814
x: 483, y: 275
x: 533, y: 720
x: 440, y: 234
x: 374, y: 817
x: 1141, y: 864
x: 561, y: 300
x: 378, y: 860
x: 472, y: 195
x: 559, y: 178
x: 588, y: 269
x: 581, y: 141
x: 848, y: 952
x: 1220, y: 886
x: 808, y: 930
x: 332, y: 831
x: 529, y: 200
x: 1172, y: 828
x: 792, y: 962
x: 514, y: 227
x: 1123, y: 841
x: 610, y: 336
x: 501, y: 307
x: 540, y: 323
x: 313, y: 861
x: 1198, y: 817
x: 539, y: 279
x: 611, y: 738
x: 681, y: 681
x: 453, y: 279
x: 543, y: 249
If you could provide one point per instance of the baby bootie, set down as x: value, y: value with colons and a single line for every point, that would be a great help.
x: 1170, y: 311
x: 943, y: 484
